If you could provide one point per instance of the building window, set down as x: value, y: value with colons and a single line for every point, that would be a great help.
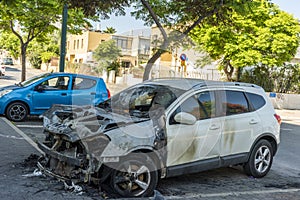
x: 77, y: 44
x: 74, y: 45
x: 82, y: 43
x: 123, y: 43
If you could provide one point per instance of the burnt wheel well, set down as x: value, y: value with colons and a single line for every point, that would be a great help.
x: 154, y: 156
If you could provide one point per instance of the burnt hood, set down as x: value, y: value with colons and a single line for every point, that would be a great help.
x: 77, y: 122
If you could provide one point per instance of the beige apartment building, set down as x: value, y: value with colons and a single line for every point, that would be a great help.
x: 80, y: 47
x: 135, y: 48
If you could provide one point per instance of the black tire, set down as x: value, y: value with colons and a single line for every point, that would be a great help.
x: 260, y: 160
x: 134, y: 176
x: 16, y: 112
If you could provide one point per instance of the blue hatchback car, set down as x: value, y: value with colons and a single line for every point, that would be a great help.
x: 36, y: 95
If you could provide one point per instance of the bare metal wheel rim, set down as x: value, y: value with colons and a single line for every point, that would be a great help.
x: 262, y: 159
x: 132, y: 179
x: 17, y: 112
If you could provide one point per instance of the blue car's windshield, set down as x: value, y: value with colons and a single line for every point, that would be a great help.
x: 33, y: 80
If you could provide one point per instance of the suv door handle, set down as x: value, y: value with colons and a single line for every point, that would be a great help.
x: 253, y: 121
x: 63, y: 94
x: 214, y: 127
x: 93, y: 93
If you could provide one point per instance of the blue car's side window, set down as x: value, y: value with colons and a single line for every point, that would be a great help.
x: 56, y: 83
x: 83, y: 83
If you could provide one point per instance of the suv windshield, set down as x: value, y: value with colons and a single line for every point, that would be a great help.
x: 139, y: 101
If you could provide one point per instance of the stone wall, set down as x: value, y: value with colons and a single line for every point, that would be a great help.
x: 285, y: 101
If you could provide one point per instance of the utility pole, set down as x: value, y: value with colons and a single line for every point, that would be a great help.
x: 63, y: 39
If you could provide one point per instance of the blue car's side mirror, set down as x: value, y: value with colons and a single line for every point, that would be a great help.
x: 39, y: 88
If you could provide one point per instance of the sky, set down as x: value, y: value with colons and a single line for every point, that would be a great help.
x: 127, y: 23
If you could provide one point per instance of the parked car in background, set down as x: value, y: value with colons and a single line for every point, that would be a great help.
x: 37, y: 94
x: 7, y: 61
x: 160, y: 129
x: 2, y: 70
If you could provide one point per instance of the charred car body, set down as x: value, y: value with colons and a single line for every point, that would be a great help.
x: 158, y: 129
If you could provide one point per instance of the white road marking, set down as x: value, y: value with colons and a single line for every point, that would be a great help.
x: 286, y: 129
x: 226, y: 194
x: 11, y: 137
x: 29, y: 126
x: 28, y: 139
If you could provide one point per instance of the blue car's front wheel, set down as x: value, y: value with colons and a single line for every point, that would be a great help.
x: 16, y: 112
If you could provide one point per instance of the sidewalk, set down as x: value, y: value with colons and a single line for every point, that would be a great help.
x: 289, y: 116
x: 14, y: 150
x: 116, y: 88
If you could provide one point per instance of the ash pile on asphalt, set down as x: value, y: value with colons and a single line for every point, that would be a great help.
x: 30, y: 161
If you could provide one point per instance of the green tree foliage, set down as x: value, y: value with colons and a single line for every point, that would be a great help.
x: 42, y: 51
x: 110, y: 30
x: 10, y: 43
x: 107, y: 54
x: 262, y: 35
x: 34, y: 19
x: 282, y: 79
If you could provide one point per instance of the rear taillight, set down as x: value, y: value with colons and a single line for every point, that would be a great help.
x: 278, y: 118
x: 108, y: 93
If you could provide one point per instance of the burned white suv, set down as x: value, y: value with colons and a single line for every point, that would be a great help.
x: 159, y: 129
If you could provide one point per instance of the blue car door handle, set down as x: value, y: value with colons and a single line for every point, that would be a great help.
x: 93, y: 93
x: 63, y: 94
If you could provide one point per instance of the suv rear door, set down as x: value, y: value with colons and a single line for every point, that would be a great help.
x: 239, y: 123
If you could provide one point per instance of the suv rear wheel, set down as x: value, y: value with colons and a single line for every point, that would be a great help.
x: 134, y: 176
x: 260, y: 160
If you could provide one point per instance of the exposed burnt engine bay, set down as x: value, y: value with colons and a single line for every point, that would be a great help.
x: 75, y: 141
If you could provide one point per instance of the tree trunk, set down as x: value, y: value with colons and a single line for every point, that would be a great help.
x: 228, y: 69
x: 23, y: 61
x: 150, y: 64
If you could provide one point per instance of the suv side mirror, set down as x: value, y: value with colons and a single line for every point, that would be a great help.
x: 39, y: 88
x: 185, y: 118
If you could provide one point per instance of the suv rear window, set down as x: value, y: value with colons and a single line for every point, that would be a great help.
x: 235, y: 103
x: 256, y: 100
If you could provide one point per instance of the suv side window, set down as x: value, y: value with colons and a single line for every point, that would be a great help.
x: 191, y: 106
x: 201, y: 105
x: 256, y: 100
x: 234, y: 102
x: 207, y: 104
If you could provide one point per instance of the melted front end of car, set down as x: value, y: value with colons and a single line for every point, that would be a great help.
x: 74, y: 143
x: 84, y: 144
x: 69, y: 159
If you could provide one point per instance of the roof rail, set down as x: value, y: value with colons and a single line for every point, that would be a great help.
x: 221, y: 83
